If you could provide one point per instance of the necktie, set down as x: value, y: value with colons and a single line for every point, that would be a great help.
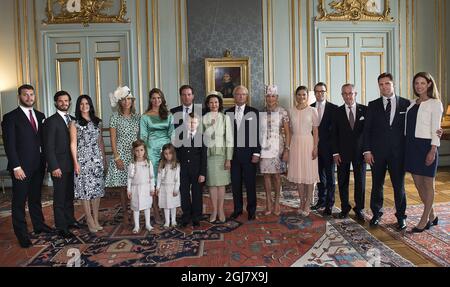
x: 192, y: 139
x: 67, y: 119
x: 351, y: 118
x: 239, y: 116
x: 186, y: 114
x: 388, y: 111
x: 33, y: 122
x: 319, y: 110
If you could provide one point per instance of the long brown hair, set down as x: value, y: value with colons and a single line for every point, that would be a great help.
x: 163, y: 111
x: 432, y: 91
x: 163, y: 161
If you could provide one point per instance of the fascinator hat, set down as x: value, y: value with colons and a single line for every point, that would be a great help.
x: 271, y: 90
x: 119, y: 94
x: 215, y: 93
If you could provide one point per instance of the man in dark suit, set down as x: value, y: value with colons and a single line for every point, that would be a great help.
x: 181, y: 113
x: 22, y: 137
x: 348, y: 127
x: 327, y: 184
x: 191, y: 153
x: 60, y: 165
x: 246, y: 152
x: 384, y: 147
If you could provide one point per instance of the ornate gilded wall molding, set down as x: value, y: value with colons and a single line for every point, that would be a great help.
x: 84, y: 12
x: 355, y: 10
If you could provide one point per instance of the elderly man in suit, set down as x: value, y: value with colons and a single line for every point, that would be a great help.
x: 22, y: 137
x: 384, y: 148
x: 327, y: 184
x: 246, y: 152
x: 348, y: 127
x: 60, y: 165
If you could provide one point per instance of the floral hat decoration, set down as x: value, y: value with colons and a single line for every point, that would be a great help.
x: 119, y: 94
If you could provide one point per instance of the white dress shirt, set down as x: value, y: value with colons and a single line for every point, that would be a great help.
x: 63, y: 115
x: 320, y: 106
x: 239, y: 114
x: 393, y: 106
x: 186, y: 114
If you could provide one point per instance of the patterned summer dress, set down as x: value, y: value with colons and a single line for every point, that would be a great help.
x: 89, y: 184
x: 127, y: 129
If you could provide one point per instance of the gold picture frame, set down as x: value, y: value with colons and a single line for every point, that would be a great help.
x: 223, y: 74
x: 355, y: 10
x: 90, y: 11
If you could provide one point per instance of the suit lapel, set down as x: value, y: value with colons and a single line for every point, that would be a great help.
x: 25, y: 120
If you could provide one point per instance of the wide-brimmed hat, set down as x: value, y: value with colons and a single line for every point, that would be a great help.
x: 119, y: 94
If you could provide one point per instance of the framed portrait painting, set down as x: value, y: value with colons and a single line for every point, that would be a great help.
x: 224, y: 74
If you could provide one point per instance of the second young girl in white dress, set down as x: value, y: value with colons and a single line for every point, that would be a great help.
x: 141, y: 183
x: 168, y: 184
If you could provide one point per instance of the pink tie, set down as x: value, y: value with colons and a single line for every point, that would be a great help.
x: 33, y: 122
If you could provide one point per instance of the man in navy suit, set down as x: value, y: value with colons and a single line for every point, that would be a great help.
x: 60, y: 165
x: 22, y: 137
x: 327, y: 184
x: 246, y: 152
x: 384, y: 148
x: 348, y: 127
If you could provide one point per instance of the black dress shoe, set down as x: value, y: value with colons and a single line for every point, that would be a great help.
x: 359, y: 216
x: 76, y: 225
x: 251, y: 217
x: 401, y: 224
x: 25, y: 243
x: 418, y: 230
x: 327, y: 212
x: 195, y: 224
x: 343, y: 214
x: 318, y: 206
x: 375, y: 221
x: 44, y: 229
x: 235, y: 215
x: 183, y: 224
x: 66, y: 234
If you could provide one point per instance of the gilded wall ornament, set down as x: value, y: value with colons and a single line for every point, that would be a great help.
x: 84, y: 12
x: 355, y: 10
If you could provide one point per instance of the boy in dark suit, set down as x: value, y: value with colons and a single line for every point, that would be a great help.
x: 191, y: 153
x: 22, y: 137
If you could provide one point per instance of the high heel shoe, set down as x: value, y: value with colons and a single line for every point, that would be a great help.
x: 435, y: 221
x: 212, y: 218
x: 420, y: 230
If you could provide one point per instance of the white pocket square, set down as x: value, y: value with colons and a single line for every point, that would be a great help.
x: 402, y: 113
x: 249, y: 119
x: 361, y: 118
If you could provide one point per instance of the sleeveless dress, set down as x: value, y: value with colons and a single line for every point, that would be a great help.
x: 89, y: 184
x: 156, y: 132
x: 302, y: 168
x: 126, y: 133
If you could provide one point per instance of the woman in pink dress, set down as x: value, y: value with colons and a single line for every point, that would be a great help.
x: 303, y: 164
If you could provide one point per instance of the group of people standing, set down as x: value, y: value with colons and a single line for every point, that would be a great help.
x: 162, y: 159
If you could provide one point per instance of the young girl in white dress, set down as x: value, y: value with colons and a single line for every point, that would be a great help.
x: 141, y: 183
x: 168, y: 184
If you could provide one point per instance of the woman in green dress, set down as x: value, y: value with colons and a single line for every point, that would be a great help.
x: 156, y: 129
x: 124, y: 129
x: 219, y: 140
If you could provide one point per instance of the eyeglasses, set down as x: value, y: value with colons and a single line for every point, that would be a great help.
x: 320, y: 92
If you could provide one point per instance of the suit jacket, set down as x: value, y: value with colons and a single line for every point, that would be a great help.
x: 348, y: 143
x: 23, y: 146
x: 57, y: 144
x: 193, y: 158
x: 245, y: 147
x: 325, y: 129
x: 379, y: 137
